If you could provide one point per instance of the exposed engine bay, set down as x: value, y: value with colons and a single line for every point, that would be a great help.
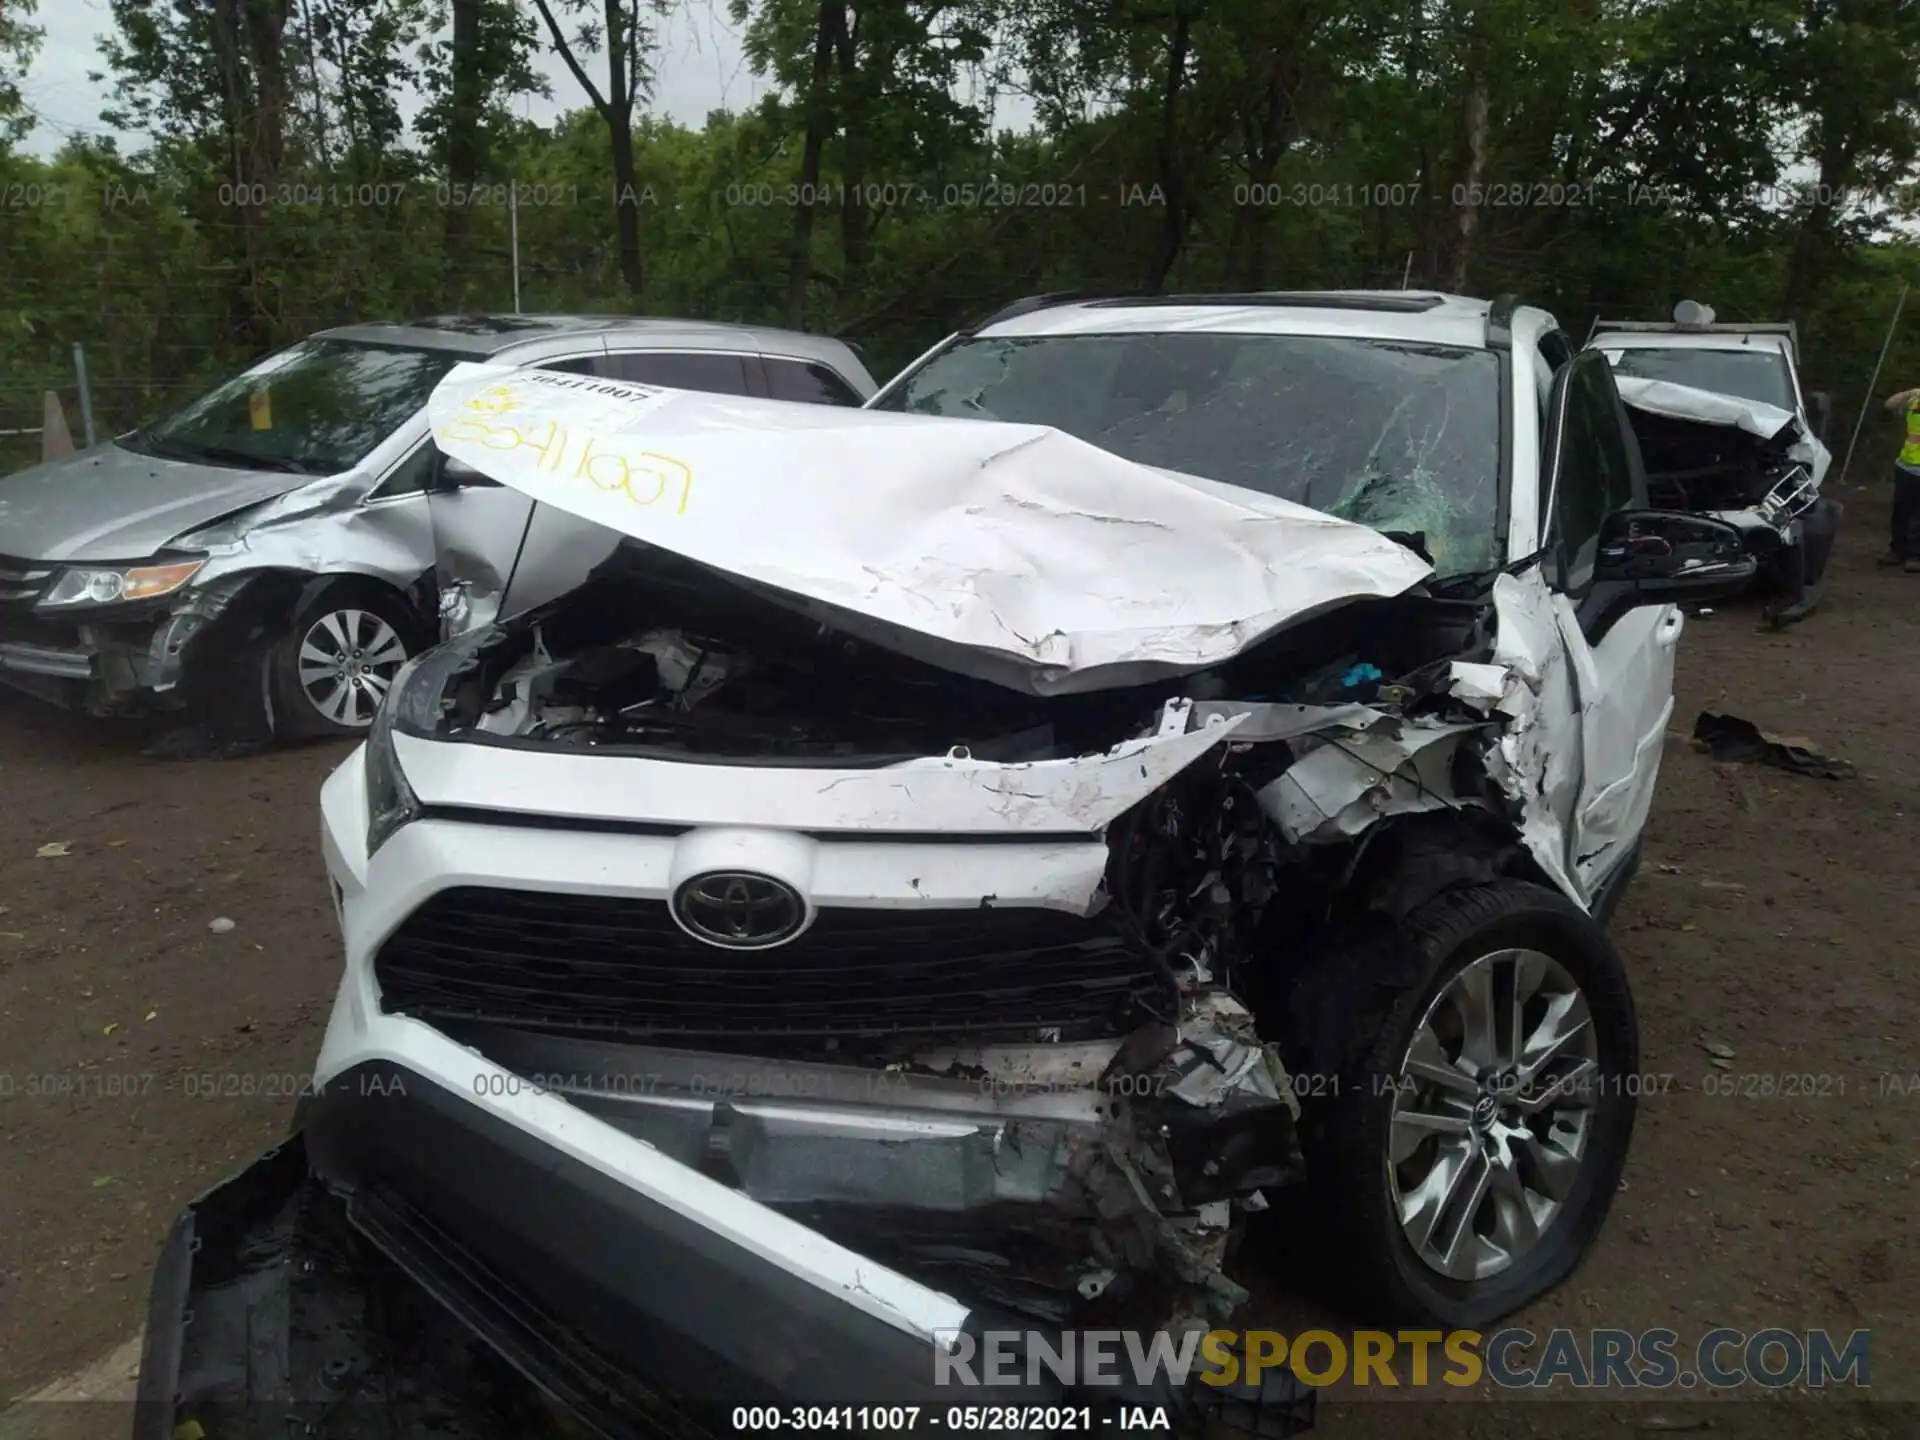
x: 1692, y: 465
x: 1065, y: 1112
x: 1720, y: 455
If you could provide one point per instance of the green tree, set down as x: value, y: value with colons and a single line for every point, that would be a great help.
x: 19, y: 41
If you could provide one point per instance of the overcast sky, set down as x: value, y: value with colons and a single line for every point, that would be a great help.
x: 698, y: 64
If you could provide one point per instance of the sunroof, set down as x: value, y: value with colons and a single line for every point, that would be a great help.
x: 482, y: 324
x: 1408, y: 304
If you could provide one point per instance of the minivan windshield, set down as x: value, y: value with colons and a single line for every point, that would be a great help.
x: 1402, y: 437
x: 1744, y: 374
x: 317, y: 408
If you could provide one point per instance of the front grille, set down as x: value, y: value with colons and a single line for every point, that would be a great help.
x: 600, y: 964
x: 22, y: 581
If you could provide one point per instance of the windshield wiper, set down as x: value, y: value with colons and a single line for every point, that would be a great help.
x: 220, y: 455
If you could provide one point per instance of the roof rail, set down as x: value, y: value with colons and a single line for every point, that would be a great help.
x: 1397, y: 302
x: 1670, y: 327
x: 1027, y: 304
x: 1500, y: 321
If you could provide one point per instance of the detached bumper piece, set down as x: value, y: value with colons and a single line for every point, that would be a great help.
x: 273, y: 1313
x: 410, y: 1263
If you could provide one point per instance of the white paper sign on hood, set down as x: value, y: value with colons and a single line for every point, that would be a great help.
x: 1020, y: 553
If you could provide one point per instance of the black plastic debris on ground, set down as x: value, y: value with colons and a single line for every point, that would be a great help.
x: 1729, y: 737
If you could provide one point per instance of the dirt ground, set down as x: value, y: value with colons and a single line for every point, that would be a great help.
x: 143, y: 1055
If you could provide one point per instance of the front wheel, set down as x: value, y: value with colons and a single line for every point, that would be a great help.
x: 338, y: 659
x: 1476, y: 1139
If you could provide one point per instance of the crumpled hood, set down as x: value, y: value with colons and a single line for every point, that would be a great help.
x: 110, y: 503
x: 1015, y: 552
x: 1710, y: 407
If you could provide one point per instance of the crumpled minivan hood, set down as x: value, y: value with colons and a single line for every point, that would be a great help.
x: 110, y: 503
x: 1013, y: 552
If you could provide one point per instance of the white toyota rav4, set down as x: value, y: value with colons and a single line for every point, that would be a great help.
x: 958, y: 858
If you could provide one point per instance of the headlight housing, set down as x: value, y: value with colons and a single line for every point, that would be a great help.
x: 414, y: 697
x: 390, y: 800
x: 118, y: 584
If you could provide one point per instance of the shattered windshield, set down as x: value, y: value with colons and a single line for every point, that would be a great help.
x: 1397, y: 436
x: 1745, y: 374
x: 316, y: 409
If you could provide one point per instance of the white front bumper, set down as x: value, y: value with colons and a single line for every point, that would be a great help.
x: 376, y: 895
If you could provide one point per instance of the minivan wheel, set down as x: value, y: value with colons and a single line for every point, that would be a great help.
x: 1468, y: 1154
x: 338, y: 659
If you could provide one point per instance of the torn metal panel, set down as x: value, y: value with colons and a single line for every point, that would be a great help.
x: 949, y: 794
x: 199, y: 608
x: 1220, y: 1057
x: 325, y: 527
x: 1342, y: 785
x: 1709, y: 407
x: 1263, y: 721
x: 1484, y: 687
x: 1016, y: 1068
x: 1541, y: 777
x: 1007, y: 547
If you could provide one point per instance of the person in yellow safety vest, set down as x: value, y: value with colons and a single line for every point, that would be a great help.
x: 1905, y: 549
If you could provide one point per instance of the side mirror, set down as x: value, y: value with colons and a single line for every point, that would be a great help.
x: 452, y: 474
x: 1662, y: 557
x: 1668, y: 556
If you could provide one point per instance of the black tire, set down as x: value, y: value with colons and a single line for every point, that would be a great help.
x: 298, y: 711
x: 1363, y: 997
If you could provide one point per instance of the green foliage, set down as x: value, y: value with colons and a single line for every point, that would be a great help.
x: 19, y: 41
x: 1599, y: 156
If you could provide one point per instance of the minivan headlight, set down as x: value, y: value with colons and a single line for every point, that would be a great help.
x: 118, y: 584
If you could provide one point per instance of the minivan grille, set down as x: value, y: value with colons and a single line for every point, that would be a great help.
x: 22, y: 581
x: 612, y: 965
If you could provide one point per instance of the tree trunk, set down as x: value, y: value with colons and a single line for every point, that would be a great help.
x: 463, y: 137
x: 1173, y: 234
x: 247, y: 40
x: 1470, y: 167
x: 615, y: 109
x: 627, y: 208
x: 855, y: 220
x: 1813, y: 242
x: 1267, y: 141
x: 819, y: 118
x: 622, y: 37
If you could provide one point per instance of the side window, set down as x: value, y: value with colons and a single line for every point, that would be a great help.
x: 679, y: 370
x: 411, y: 476
x: 583, y: 365
x: 1594, y: 467
x: 809, y: 382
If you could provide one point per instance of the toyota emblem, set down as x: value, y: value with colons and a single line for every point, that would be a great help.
x: 739, y: 909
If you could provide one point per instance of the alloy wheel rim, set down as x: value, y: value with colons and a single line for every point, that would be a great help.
x: 348, y: 659
x: 1492, y: 1113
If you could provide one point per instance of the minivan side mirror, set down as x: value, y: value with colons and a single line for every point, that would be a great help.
x: 1662, y: 557
x: 452, y: 474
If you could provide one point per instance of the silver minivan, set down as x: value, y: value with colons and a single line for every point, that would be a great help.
x: 265, y: 558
